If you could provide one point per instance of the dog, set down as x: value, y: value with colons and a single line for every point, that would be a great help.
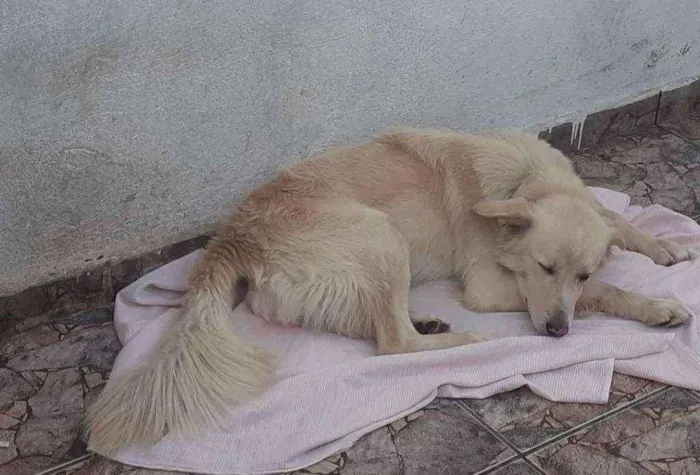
x: 335, y: 244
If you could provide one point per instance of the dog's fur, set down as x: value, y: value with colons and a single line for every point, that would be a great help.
x: 335, y: 243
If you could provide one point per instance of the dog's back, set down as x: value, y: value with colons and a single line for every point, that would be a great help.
x: 431, y: 164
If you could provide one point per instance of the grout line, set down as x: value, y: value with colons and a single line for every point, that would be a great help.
x: 591, y: 422
x: 67, y: 464
x: 488, y: 428
x: 491, y: 468
x: 695, y: 395
x: 658, y: 108
x: 518, y: 453
x: 534, y: 467
x: 523, y: 454
x: 515, y: 458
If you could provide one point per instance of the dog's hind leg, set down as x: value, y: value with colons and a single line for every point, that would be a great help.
x: 395, y: 331
x: 349, y: 274
x: 428, y: 324
x: 661, y: 251
x: 398, y: 334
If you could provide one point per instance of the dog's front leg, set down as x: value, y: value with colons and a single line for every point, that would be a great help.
x: 661, y: 251
x: 490, y: 289
x: 606, y: 298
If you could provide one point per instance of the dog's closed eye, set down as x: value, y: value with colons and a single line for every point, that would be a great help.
x: 584, y: 277
x: 548, y: 269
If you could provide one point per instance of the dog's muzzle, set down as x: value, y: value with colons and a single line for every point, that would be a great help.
x: 557, y: 326
x: 556, y: 331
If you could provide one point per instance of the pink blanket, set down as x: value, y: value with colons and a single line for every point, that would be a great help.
x: 332, y: 390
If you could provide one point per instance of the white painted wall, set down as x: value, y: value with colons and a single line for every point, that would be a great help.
x: 126, y: 125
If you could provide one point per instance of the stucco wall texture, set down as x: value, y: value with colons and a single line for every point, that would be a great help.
x: 128, y: 125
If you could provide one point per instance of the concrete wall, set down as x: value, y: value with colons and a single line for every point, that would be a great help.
x: 127, y: 125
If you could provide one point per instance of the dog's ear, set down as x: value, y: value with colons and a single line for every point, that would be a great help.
x: 514, y: 213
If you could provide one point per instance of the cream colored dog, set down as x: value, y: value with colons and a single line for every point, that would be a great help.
x: 336, y: 242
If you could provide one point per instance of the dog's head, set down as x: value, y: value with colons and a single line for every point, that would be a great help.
x: 552, y: 246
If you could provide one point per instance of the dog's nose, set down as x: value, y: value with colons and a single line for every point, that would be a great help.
x: 557, y: 330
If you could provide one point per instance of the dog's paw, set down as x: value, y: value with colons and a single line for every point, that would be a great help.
x: 480, y: 337
x: 667, y: 253
x: 431, y: 326
x: 665, y: 313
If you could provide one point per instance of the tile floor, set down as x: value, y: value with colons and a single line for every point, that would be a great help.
x: 52, y: 366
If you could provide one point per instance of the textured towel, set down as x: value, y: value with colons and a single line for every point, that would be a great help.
x: 332, y: 390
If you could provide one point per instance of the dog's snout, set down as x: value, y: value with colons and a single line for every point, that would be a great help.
x: 557, y: 326
x: 556, y: 331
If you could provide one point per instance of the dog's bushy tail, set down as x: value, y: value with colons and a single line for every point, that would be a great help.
x: 200, y: 368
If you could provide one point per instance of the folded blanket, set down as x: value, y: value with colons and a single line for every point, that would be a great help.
x: 332, y: 390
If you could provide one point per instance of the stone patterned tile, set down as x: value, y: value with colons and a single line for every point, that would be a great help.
x: 374, y: 453
x: 619, y: 122
x: 50, y: 369
x: 654, y: 167
x: 659, y: 436
x: 70, y: 294
x: 61, y: 393
x: 95, y: 287
x: 526, y: 419
x: 442, y: 439
x: 29, y: 340
x: 8, y: 446
x: 687, y: 127
x: 603, y: 126
x: 51, y: 436
x: 13, y: 388
x: 28, y: 465
x: 680, y: 102
x: 86, y: 345
x: 95, y: 316
x: 99, y: 465
x: 447, y: 441
x: 147, y: 471
x: 91, y: 464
